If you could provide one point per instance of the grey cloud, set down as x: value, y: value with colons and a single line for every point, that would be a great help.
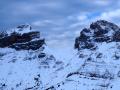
x: 29, y: 10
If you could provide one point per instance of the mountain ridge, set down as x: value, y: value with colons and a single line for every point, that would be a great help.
x: 94, y: 66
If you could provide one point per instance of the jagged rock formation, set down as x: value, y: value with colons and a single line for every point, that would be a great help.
x: 22, y: 41
x: 100, y: 31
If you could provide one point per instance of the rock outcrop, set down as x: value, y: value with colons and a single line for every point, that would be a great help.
x: 98, y: 32
x: 26, y: 40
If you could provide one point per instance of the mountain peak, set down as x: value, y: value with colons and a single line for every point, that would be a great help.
x: 98, y: 32
x: 22, y: 37
x: 102, y: 24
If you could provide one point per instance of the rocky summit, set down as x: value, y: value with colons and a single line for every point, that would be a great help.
x: 22, y: 38
x: 98, y: 32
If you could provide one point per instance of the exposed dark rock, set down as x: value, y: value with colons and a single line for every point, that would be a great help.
x: 103, y: 39
x: 2, y: 86
x: 21, y: 27
x: 87, y: 45
x: 77, y: 42
x: 104, y: 23
x: 99, y: 55
x: 51, y: 88
x: 118, y: 74
x: 105, y: 75
x: 116, y: 56
x: 24, y: 41
x: 99, y: 31
x: 84, y: 34
x: 3, y: 34
x: 73, y: 73
x: 17, y: 38
x: 95, y: 26
x: 41, y: 55
x: 116, y: 36
x: 33, y: 45
x: 89, y: 59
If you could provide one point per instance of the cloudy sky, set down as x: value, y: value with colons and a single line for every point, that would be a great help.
x: 59, y: 21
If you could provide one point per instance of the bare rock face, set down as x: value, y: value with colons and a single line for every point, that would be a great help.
x: 33, y: 45
x: 26, y: 40
x: 98, y: 32
x: 116, y: 36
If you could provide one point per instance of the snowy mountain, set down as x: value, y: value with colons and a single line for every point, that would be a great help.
x: 27, y: 63
x: 96, y: 64
x: 25, y: 60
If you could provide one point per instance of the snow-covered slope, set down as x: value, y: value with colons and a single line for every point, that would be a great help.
x: 94, y: 65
